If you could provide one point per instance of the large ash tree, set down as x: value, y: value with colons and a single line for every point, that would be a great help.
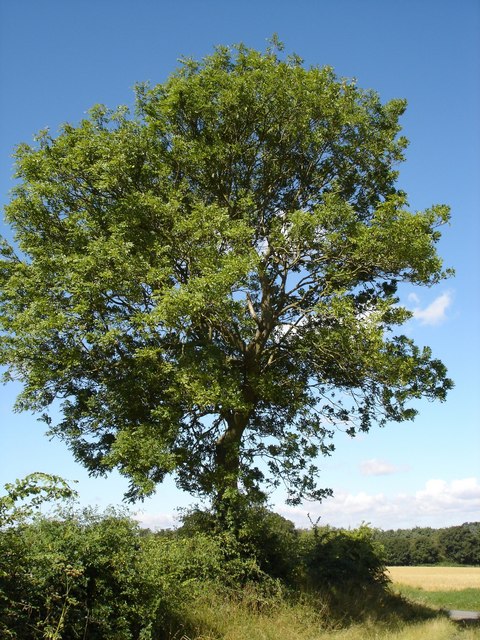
x: 207, y: 287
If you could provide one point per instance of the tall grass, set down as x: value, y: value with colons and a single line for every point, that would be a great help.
x: 433, y: 630
x: 213, y: 617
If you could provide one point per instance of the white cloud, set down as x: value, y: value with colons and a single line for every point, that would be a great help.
x: 435, y: 312
x: 439, y: 503
x: 156, y: 520
x: 376, y: 467
x: 439, y: 494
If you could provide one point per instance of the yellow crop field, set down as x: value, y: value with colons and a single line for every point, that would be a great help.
x: 437, y: 578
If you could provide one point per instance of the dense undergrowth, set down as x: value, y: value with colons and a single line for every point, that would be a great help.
x: 98, y: 576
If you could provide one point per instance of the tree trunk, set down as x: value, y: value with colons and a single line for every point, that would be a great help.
x: 227, y: 462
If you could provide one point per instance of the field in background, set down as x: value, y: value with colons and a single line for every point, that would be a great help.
x: 437, y: 578
x: 439, y: 587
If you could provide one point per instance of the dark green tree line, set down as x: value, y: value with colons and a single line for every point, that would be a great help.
x: 456, y: 545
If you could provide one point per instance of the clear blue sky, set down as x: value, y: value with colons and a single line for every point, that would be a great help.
x: 60, y: 57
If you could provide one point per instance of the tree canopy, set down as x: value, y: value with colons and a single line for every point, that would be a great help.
x: 206, y: 287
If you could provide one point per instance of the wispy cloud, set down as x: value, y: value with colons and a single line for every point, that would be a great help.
x: 439, y: 503
x: 435, y: 312
x: 376, y: 467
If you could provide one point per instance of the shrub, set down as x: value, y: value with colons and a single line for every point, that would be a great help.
x: 71, y: 577
x: 90, y: 575
x: 339, y: 558
x: 263, y: 536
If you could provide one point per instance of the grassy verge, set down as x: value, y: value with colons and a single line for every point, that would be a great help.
x: 465, y: 599
x: 213, y: 617
x: 432, y: 630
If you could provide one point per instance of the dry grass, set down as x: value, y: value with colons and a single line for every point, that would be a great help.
x: 432, y: 630
x: 286, y: 626
x: 222, y: 619
x: 228, y: 620
x: 437, y: 578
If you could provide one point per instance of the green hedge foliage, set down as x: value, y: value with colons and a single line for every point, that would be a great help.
x: 81, y: 574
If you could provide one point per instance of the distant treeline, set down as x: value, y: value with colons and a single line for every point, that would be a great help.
x: 456, y: 545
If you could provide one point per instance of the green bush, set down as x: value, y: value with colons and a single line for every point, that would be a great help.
x: 262, y: 535
x: 274, y: 542
x: 71, y: 577
x: 339, y: 558
x: 89, y: 575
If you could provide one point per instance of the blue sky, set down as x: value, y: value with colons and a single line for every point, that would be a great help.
x: 59, y: 58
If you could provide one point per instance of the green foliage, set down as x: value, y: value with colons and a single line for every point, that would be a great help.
x: 274, y: 542
x: 211, y: 281
x: 89, y: 575
x: 24, y: 497
x: 258, y: 533
x: 62, y: 578
x: 453, y: 545
x: 461, y: 544
x: 83, y: 574
x: 343, y: 559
